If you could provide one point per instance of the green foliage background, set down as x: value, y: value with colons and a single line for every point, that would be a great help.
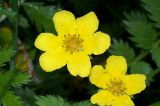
x: 133, y: 25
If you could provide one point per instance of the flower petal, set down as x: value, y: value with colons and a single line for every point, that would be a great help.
x: 65, y: 22
x: 88, y: 44
x: 79, y: 64
x: 46, y: 41
x: 103, y: 98
x: 102, y: 43
x: 123, y: 100
x: 116, y: 65
x: 87, y: 24
x: 135, y: 83
x: 51, y: 61
x: 98, y: 76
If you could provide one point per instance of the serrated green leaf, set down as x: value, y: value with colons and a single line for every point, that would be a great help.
x: 11, y: 78
x: 27, y: 96
x: 83, y: 103
x: 144, y: 35
x: 20, y: 79
x: 51, y: 101
x: 5, y: 55
x: 156, y: 56
x: 135, y: 16
x: 14, y: 79
x: 141, y: 67
x: 9, y: 99
x: 155, y: 104
x: 42, y: 16
x: 152, y: 6
x: 122, y: 48
x: 5, y: 78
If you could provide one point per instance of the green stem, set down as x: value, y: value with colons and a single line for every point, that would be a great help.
x: 15, y: 33
x: 141, y: 56
x: 14, y: 46
x: 59, y: 5
x: 145, y: 53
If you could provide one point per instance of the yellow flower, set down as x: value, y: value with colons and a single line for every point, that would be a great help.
x: 116, y: 87
x: 76, y: 40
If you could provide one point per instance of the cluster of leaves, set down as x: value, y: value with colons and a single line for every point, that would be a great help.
x: 141, y: 48
x: 10, y: 80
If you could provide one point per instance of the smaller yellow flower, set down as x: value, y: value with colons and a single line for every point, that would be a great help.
x: 116, y: 87
x: 76, y: 40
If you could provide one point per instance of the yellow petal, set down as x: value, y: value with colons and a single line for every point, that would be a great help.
x: 116, y: 65
x: 79, y: 64
x: 65, y: 22
x: 123, y: 100
x: 102, y: 43
x: 88, y: 44
x: 135, y: 83
x: 98, y: 76
x: 87, y: 24
x: 46, y: 41
x: 103, y: 98
x: 50, y: 61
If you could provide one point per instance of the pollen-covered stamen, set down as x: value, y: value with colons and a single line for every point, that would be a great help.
x: 117, y: 87
x: 73, y: 43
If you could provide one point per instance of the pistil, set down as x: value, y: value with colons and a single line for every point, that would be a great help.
x: 73, y: 43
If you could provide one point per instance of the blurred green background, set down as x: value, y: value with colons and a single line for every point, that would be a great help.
x: 133, y: 25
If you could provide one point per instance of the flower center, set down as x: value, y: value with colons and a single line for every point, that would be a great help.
x: 73, y: 43
x: 117, y: 87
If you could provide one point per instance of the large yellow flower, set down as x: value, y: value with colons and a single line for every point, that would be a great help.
x: 116, y: 87
x: 76, y: 40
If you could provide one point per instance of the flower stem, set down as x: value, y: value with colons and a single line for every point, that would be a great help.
x: 145, y: 53
x: 14, y: 4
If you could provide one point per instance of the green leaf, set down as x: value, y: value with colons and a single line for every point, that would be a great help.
x: 151, y: 76
x: 27, y: 95
x: 5, y: 55
x: 20, y: 79
x: 41, y: 15
x: 51, y: 101
x: 9, y: 13
x: 23, y: 22
x: 83, y: 103
x: 141, y: 67
x: 11, y: 78
x: 155, y: 104
x: 122, y: 48
x: 9, y: 99
x: 144, y: 35
x: 6, y: 78
x: 156, y: 56
x: 152, y: 6
x: 14, y: 79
